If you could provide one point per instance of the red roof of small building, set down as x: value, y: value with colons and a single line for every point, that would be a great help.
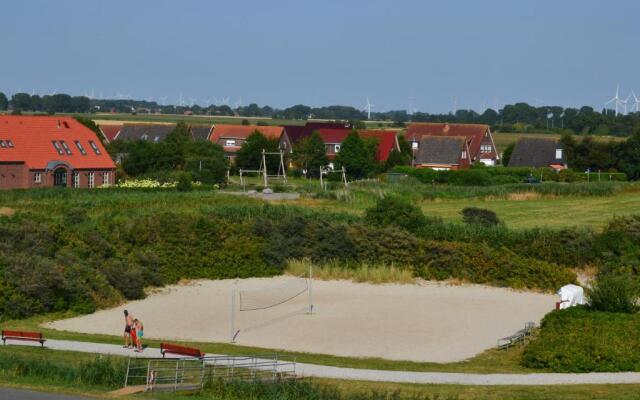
x: 243, y: 131
x: 32, y: 140
x: 110, y: 132
x: 386, y: 139
x: 473, y: 132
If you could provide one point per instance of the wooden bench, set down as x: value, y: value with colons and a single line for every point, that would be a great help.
x: 23, y: 335
x: 180, y: 350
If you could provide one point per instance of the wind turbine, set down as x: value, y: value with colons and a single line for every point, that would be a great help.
x: 636, y: 102
x: 615, y: 100
x: 368, y: 107
x: 624, y: 103
x: 238, y: 103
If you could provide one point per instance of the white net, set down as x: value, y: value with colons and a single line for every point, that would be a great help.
x: 263, y: 298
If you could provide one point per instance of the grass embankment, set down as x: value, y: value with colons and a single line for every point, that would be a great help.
x: 362, y: 273
x: 87, y: 374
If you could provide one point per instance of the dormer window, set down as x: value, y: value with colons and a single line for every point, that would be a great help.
x: 80, y: 148
x: 3, y: 144
x: 10, y: 144
x: 558, y: 154
x: 56, y: 145
x: 65, y: 147
x: 414, y: 145
x: 94, y: 147
x: 230, y: 142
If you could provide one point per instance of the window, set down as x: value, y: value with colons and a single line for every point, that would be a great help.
x: 230, y: 142
x: 464, y: 154
x: 94, y: 147
x: 3, y: 144
x: 558, y: 154
x: 337, y: 148
x: 37, y: 177
x: 56, y: 145
x: 9, y: 143
x: 414, y: 145
x: 156, y: 139
x: 485, y: 148
x: 144, y: 137
x: 105, y: 178
x: 76, y: 179
x: 80, y: 148
x: 90, y: 180
x: 65, y: 147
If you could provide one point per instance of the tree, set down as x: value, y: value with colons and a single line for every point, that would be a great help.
x: 628, y: 156
x: 396, y: 158
x: 310, y: 154
x: 4, y: 102
x: 506, y: 154
x: 355, y: 156
x: 250, y: 154
x: 205, y: 161
x: 21, y: 102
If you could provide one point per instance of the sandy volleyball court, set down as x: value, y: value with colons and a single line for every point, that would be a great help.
x: 421, y: 322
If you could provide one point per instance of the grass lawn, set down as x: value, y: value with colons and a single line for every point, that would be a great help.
x: 356, y: 389
x: 558, y: 212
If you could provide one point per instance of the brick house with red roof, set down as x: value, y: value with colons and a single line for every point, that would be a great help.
x: 231, y: 137
x: 474, y: 143
x: 110, y: 132
x: 333, y: 138
x: 38, y: 151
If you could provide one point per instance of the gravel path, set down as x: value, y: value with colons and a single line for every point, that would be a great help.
x: 322, y: 371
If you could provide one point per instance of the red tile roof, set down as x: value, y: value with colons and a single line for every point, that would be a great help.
x: 386, y: 139
x: 32, y: 137
x: 243, y: 131
x: 387, y: 142
x: 473, y: 132
x: 110, y: 132
x: 298, y: 132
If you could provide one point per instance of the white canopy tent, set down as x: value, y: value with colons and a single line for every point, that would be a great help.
x: 570, y: 296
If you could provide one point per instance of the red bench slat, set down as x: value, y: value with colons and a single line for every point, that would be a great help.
x: 181, y: 350
x: 22, y: 335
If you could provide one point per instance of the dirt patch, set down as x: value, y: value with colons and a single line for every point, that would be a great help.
x: 7, y: 212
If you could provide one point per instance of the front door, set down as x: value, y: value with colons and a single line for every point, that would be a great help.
x: 60, y: 177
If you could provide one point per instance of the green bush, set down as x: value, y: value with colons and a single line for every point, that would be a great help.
x: 614, y: 293
x: 184, y: 183
x: 479, y: 216
x: 397, y: 212
x: 580, y: 340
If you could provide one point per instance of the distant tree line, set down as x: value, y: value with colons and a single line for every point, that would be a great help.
x: 519, y: 117
x: 605, y: 156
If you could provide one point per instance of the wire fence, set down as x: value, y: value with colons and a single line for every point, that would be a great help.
x: 173, y: 374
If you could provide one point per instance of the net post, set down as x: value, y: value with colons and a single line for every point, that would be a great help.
x: 310, y: 289
x: 233, y: 312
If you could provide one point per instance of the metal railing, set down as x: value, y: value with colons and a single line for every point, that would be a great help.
x: 173, y: 374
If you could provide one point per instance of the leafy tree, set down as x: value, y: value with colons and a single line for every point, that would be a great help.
x: 396, y: 158
x: 310, y: 154
x: 4, y: 102
x: 21, y: 102
x: 506, y: 154
x: 355, y: 156
x: 205, y: 161
x: 250, y: 154
x: 628, y: 156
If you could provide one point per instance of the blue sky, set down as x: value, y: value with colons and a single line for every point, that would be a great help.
x: 325, y: 52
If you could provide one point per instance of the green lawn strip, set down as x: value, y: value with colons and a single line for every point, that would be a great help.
x: 490, y: 361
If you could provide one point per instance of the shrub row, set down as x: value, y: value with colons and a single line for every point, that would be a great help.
x: 482, y: 176
x: 579, y: 340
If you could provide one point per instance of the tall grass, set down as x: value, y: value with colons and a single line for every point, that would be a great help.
x: 361, y: 273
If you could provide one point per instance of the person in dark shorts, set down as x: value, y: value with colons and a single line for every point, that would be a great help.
x: 128, y: 322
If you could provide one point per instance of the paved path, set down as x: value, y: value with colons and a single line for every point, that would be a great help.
x: 323, y: 371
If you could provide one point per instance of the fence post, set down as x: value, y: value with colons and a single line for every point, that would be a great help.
x: 126, y: 377
x: 148, y: 371
x: 175, y: 382
x: 275, y: 367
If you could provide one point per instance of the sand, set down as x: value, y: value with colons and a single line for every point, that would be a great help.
x: 420, y: 322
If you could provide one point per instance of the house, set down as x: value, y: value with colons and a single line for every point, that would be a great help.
x: 231, y: 137
x: 38, y: 151
x: 293, y: 134
x: 148, y: 132
x: 333, y: 138
x: 200, y: 132
x: 443, y: 153
x: 479, y: 145
x: 110, y: 131
x: 538, y: 153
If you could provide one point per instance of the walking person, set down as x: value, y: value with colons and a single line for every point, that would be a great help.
x: 128, y: 322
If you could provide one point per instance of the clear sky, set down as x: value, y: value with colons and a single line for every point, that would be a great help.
x: 324, y: 52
